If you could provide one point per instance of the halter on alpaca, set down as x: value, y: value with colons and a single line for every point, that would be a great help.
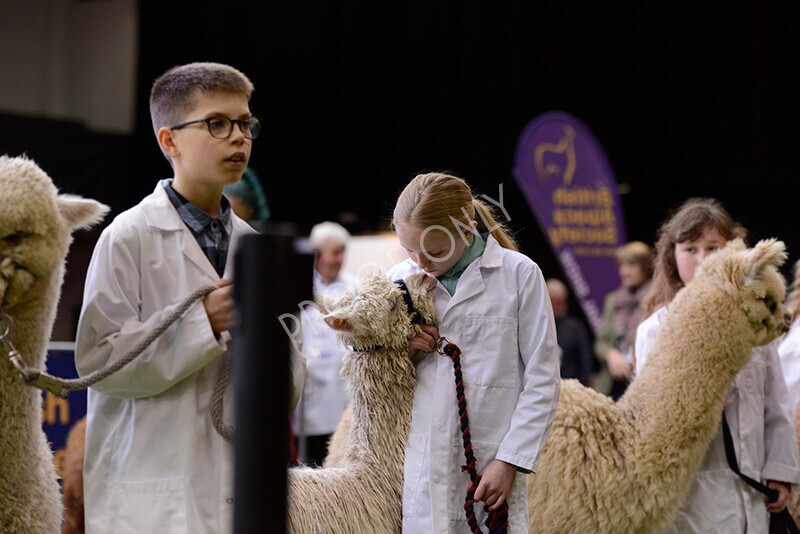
x: 416, y: 318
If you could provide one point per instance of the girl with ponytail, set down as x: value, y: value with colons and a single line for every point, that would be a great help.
x: 492, y: 302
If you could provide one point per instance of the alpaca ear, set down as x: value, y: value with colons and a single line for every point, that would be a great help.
x: 81, y: 212
x: 766, y: 252
x: 736, y: 244
x: 422, y: 280
x: 326, y: 303
x: 332, y: 309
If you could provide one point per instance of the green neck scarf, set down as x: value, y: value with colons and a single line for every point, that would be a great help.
x: 473, y: 251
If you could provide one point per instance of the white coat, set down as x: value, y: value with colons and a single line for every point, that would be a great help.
x: 324, y: 393
x: 501, y: 319
x: 153, y: 461
x: 789, y: 351
x: 757, y: 410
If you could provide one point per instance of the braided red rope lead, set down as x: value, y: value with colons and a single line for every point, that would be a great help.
x: 497, y: 520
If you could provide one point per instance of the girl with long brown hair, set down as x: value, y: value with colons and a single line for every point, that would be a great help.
x: 757, y: 408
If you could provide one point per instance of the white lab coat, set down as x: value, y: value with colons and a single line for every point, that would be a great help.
x: 153, y: 462
x: 501, y: 319
x: 789, y: 351
x: 757, y: 410
x: 324, y: 394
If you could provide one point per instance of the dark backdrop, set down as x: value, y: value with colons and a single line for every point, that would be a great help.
x: 688, y: 97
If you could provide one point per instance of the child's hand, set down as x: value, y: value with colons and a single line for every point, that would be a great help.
x: 218, y: 305
x: 495, y: 484
x: 784, y: 489
x: 618, y: 366
x: 424, y: 341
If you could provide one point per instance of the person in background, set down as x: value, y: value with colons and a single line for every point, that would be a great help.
x: 324, y: 396
x: 248, y: 200
x: 789, y: 349
x: 577, y: 358
x: 757, y: 407
x: 622, y: 313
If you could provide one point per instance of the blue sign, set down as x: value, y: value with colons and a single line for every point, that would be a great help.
x: 58, y: 415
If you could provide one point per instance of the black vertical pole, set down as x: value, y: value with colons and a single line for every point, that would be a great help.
x: 270, y: 280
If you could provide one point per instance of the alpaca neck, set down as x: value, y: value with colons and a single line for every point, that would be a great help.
x: 381, y: 394
x: 20, y: 404
x: 33, y: 320
x: 680, y: 393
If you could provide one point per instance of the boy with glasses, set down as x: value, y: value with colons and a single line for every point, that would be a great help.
x: 156, y: 460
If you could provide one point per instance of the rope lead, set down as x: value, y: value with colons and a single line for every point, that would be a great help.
x: 497, y: 520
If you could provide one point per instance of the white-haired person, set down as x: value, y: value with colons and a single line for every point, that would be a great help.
x: 324, y: 397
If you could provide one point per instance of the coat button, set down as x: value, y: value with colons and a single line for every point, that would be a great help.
x: 229, y: 500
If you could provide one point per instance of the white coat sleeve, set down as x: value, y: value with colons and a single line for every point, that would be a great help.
x: 780, y: 442
x: 541, y: 381
x: 110, y: 325
x: 297, y: 368
x: 646, y: 334
x: 789, y: 352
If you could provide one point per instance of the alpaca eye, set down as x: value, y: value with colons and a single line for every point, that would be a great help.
x: 13, y: 239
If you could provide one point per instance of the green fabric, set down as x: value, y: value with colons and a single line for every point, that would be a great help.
x: 473, y: 251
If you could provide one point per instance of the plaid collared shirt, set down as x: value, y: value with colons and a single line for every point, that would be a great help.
x: 213, y: 235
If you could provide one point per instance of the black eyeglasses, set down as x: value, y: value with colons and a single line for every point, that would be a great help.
x: 222, y: 127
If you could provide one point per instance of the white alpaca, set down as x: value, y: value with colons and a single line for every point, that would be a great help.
x: 363, y: 493
x: 35, y: 226
x: 626, y: 467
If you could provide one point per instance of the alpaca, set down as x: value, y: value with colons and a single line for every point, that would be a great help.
x: 363, y: 493
x: 35, y: 233
x: 626, y: 467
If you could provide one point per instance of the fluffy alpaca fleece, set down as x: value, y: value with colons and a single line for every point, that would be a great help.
x: 35, y: 227
x: 626, y: 467
x: 338, y: 440
x: 363, y: 493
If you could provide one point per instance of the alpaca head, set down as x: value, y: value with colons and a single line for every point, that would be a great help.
x: 35, y: 227
x: 751, y: 277
x: 374, y: 312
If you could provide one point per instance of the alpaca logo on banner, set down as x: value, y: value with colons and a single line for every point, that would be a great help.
x: 568, y: 183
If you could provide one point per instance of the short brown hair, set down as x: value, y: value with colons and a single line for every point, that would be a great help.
x: 639, y: 253
x: 174, y: 93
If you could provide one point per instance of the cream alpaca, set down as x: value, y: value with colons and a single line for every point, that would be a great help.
x: 35, y: 226
x: 626, y: 467
x: 363, y: 492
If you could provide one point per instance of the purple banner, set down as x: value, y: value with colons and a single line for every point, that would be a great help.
x: 59, y: 415
x: 565, y: 176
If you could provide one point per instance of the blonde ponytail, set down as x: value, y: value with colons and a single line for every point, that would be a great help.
x: 488, y: 224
